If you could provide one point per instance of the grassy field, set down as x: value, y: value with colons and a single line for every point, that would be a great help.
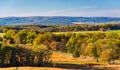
x: 58, y: 57
x: 116, y: 31
x: 31, y: 68
x: 102, y: 67
x: 85, y: 63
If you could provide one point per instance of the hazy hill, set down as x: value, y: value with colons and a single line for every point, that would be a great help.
x: 55, y: 20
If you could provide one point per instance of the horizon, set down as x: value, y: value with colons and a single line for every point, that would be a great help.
x: 60, y: 16
x: 69, y: 8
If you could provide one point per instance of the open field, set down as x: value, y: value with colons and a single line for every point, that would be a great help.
x: 118, y: 31
x: 76, y: 32
x: 83, y: 63
x: 31, y: 68
x: 65, y: 58
x: 102, y: 67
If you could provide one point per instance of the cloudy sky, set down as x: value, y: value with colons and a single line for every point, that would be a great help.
x: 86, y: 8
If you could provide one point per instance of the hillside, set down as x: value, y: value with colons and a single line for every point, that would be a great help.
x: 61, y: 20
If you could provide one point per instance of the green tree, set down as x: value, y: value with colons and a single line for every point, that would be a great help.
x: 8, y: 34
x: 25, y: 36
x: 43, y: 54
x: 31, y: 36
x: 76, y: 53
x: 21, y: 36
x: 42, y: 38
x: 71, y: 44
x: 91, y: 50
x: 107, y: 55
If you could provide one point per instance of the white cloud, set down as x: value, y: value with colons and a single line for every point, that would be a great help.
x: 104, y: 13
x: 71, y: 9
x: 88, y: 7
x: 68, y: 12
x: 107, y: 13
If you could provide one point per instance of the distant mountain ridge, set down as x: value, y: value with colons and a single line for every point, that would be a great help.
x: 60, y: 20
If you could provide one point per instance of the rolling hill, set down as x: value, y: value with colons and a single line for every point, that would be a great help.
x: 60, y: 20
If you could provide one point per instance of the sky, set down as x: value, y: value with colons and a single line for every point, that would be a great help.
x: 84, y: 8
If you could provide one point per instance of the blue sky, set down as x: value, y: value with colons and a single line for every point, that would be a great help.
x: 86, y: 8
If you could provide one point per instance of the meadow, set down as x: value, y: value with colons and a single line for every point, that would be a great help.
x: 71, y: 32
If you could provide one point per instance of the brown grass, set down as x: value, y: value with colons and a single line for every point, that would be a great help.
x: 32, y: 68
x: 107, y: 67
x: 64, y: 57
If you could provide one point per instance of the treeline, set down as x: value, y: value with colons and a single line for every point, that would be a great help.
x: 103, y: 46
x: 65, y: 28
x: 25, y: 55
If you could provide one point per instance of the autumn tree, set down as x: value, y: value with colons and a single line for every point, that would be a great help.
x: 107, y: 55
x: 25, y: 36
x: 91, y: 50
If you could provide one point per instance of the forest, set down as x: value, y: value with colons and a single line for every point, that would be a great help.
x: 33, y: 45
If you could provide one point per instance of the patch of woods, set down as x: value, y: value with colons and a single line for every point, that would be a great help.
x: 13, y: 55
x: 29, y: 47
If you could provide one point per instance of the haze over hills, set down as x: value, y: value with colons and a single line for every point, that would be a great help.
x: 60, y: 20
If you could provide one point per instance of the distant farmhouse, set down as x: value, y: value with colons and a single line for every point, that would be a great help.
x: 78, y: 23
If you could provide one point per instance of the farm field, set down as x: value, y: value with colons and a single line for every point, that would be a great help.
x: 116, y: 31
x: 81, y: 62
